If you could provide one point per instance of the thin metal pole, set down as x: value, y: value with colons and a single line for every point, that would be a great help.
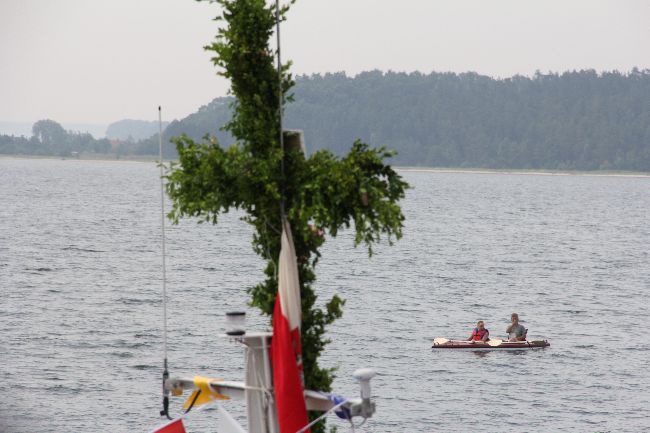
x: 269, y: 380
x: 162, y: 225
x: 268, y: 384
x: 280, y: 105
x: 165, y: 375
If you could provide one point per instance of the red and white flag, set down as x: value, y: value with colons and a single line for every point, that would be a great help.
x: 175, y: 426
x: 285, y: 348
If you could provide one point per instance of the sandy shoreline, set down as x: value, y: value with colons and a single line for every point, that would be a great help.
x: 508, y: 171
x: 88, y: 157
x: 526, y: 172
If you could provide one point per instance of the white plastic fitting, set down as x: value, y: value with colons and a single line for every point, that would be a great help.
x: 363, y: 375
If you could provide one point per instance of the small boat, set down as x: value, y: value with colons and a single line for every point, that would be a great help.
x: 495, y: 344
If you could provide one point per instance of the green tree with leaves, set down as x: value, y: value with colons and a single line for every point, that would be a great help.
x: 322, y: 193
x: 49, y: 133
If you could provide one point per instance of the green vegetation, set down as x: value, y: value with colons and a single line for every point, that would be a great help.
x: 571, y: 121
x: 49, y: 138
x: 322, y: 193
x: 130, y: 130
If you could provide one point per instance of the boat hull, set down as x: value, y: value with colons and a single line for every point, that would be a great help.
x: 506, y: 345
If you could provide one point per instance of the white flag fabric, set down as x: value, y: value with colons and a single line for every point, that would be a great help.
x: 289, y: 285
x: 226, y: 423
x: 286, y: 350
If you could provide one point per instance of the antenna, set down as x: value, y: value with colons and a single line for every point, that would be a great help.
x: 165, y: 375
x: 280, y: 104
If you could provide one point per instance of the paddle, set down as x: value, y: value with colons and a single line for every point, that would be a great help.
x: 440, y: 340
x: 497, y: 342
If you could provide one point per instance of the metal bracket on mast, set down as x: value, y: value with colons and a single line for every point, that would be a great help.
x: 258, y: 387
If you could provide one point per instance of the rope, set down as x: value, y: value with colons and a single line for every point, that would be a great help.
x: 320, y: 418
x: 196, y: 396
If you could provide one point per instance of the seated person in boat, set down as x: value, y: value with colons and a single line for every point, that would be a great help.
x: 480, y: 333
x: 516, y: 331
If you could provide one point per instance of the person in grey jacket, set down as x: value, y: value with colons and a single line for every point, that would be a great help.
x: 516, y: 331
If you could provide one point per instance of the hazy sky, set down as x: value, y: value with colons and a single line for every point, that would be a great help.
x: 98, y: 61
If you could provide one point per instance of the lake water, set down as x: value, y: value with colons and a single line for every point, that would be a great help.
x: 81, y: 310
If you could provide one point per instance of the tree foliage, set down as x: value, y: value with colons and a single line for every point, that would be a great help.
x: 49, y: 132
x: 50, y: 138
x: 131, y: 130
x: 322, y: 193
x: 579, y: 120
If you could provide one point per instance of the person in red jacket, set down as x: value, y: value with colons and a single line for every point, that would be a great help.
x: 480, y: 333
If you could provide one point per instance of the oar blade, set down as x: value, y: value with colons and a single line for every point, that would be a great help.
x: 440, y: 340
x: 495, y: 343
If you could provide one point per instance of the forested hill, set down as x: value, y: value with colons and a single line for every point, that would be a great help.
x: 575, y: 120
x: 130, y: 130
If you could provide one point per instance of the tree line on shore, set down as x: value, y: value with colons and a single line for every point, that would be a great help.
x: 580, y: 120
x: 50, y: 138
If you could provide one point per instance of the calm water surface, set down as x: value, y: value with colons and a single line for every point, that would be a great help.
x: 80, y: 308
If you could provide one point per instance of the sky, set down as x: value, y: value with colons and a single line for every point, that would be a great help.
x: 96, y: 62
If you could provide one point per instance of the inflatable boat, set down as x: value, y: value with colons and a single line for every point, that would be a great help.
x: 443, y: 343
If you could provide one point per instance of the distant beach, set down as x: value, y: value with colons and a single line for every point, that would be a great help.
x: 531, y: 172
x: 535, y: 172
